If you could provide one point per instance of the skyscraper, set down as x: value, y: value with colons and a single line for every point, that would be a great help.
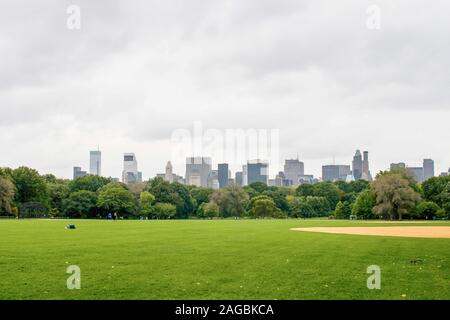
x: 428, y: 169
x: 95, y: 163
x: 197, y: 171
x: 130, y: 171
x: 238, y: 178
x: 223, y: 174
x: 213, y: 180
x: 77, y: 172
x: 357, y: 165
x: 366, y: 175
x: 397, y: 166
x: 257, y: 171
x: 416, y: 172
x: 335, y: 172
x: 293, y: 170
x: 168, y: 176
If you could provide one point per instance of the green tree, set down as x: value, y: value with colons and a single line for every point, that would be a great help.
x: 364, y: 204
x: 208, y: 210
x: 299, y: 208
x: 146, y: 201
x: 320, y: 206
x: 174, y: 193
x: 57, y: 192
x: 427, y: 210
x: 394, y: 195
x: 30, y: 186
x: 186, y: 206
x: 435, y: 189
x: 88, y: 183
x: 250, y: 192
x: 305, y: 190
x: 6, y: 196
x: 201, y: 195
x: 278, y: 197
x: 343, y: 210
x: 164, y: 210
x: 114, y: 198
x: 259, y: 187
x: 232, y: 201
x: 264, y: 207
x: 329, y: 191
x: 80, y: 204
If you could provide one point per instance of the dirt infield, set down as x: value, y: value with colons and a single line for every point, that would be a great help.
x: 407, y: 231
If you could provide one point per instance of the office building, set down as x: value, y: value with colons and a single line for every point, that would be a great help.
x: 293, y: 170
x: 366, y: 175
x: 130, y: 173
x: 335, y: 172
x: 78, y: 172
x: 223, y: 174
x: 428, y: 169
x: 213, y: 180
x: 238, y: 178
x: 95, y: 163
x: 197, y: 171
x: 257, y: 171
x: 168, y: 176
x: 397, y: 166
x: 416, y: 172
x: 357, y: 165
x: 281, y: 180
x: 244, y: 175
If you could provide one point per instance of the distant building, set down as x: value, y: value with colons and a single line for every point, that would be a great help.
x: 397, y: 166
x: 257, y: 172
x: 197, y: 171
x: 335, y: 172
x: 357, y: 165
x: 293, y: 170
x: 307, y: 179
x: 428, y: 169
x: 244, y: 175
x: 238, y: 178
x: 213, y: 180
x: 130, y: 173
x: 168, y: 176
x: 417, y: 173
x: 223, y: 174
x: 366, y: 175
x: 281, y: 181
x: 95, y: 163
x: 77, y: 172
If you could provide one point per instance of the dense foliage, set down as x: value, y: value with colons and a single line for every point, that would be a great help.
x: 392, y: 195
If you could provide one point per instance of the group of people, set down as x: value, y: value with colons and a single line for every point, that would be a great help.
x: 111, y: 216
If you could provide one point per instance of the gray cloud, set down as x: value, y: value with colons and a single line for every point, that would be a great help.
x: 135, y: 72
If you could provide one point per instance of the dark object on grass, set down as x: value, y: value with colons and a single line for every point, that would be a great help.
x: 71, y: 226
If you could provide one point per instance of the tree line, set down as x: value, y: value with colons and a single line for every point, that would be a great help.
x: 392, y: 195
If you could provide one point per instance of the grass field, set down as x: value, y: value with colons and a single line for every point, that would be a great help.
x: 220, y: 259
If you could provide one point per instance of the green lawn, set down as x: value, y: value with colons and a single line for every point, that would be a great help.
x: 220, y: 259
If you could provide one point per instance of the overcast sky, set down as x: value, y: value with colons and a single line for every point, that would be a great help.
x: 136, y: 71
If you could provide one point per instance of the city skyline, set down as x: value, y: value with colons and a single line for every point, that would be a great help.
x: 129, y: 86
x: 198, y: 171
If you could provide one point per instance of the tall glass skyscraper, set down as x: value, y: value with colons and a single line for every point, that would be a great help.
x: 223, y: 174
x: 95, y: 163
x: 357, y: 165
